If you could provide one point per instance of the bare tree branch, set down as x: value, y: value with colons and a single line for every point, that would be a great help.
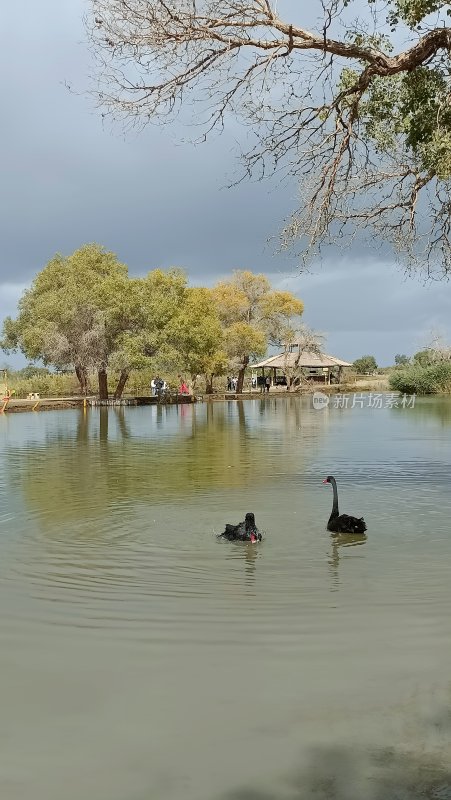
x: 308, y: 96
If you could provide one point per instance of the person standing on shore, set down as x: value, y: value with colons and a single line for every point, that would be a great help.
x: 183, y: 388
x: 159, y: 385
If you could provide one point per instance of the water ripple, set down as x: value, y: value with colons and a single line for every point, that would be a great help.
x: 131, y: 633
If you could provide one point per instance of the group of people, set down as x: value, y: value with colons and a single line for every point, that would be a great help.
x: 264, y: 383
x: 158, y: 386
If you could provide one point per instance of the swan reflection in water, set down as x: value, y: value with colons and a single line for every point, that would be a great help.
x: 342, y: 540
x: 249, y: 553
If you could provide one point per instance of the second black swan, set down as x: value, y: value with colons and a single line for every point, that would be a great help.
x: 246, y: 531
x: 342, y: 523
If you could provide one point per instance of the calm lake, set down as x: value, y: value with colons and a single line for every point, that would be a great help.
x: 142, y: 658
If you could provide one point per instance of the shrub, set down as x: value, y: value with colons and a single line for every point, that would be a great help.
x: 50, y: 385
x: 431, y: 379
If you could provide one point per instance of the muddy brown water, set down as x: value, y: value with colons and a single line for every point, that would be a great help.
x: 143, y: 659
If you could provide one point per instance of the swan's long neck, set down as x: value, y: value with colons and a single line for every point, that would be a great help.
x: 335, y: 511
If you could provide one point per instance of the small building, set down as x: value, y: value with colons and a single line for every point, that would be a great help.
x: 321, y: 368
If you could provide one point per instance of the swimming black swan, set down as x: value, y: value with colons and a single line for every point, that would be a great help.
x: 342, y: 523
x: 246, y: 531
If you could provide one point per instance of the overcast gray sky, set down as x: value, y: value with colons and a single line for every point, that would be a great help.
x: 67, y: 180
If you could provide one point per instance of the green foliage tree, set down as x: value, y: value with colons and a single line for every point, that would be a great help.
x: 83, y: 311
x: 196, y: 335
x: 401, y: 360
x: 62, y: 318
x: 362, y: 118
x: 423, y: 358
x: 365, y: 364
x: 141, y: 322
x: 253, y: 315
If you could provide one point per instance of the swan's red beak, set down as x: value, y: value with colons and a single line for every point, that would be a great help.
x: 325, y: 480
x: 253, y: 538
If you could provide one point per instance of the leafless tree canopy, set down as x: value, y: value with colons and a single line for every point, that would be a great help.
x: 317, y: 103
x: 307, y: 341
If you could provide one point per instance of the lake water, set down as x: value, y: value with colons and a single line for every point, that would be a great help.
x: 144, y: 659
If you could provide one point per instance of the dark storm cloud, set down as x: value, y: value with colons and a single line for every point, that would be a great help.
x: 70, y: 180
x: 67, y: 180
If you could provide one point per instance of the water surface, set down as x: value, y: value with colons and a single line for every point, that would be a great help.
x: 143, y: 659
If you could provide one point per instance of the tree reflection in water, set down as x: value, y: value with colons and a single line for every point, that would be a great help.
x: 163, y: 453
x: 340, y: 773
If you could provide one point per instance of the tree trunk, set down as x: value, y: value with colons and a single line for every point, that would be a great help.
x: 295, y: 372
x: 239, y: 386
x: 82, y: 378
x: 209, y: 384
x: 103, y: 384
x: 121, y: 383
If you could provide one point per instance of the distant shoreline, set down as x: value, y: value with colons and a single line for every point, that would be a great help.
x: 53, y: 403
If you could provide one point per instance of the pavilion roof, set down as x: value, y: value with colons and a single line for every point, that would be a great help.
x: 307, y: 359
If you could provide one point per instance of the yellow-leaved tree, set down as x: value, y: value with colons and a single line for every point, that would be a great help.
x: 253, y: 315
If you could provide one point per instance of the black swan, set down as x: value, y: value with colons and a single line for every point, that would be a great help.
x: 342, y: 523
x: 246, y: 531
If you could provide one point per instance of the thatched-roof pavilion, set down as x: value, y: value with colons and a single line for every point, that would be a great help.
x: 315, y: 366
